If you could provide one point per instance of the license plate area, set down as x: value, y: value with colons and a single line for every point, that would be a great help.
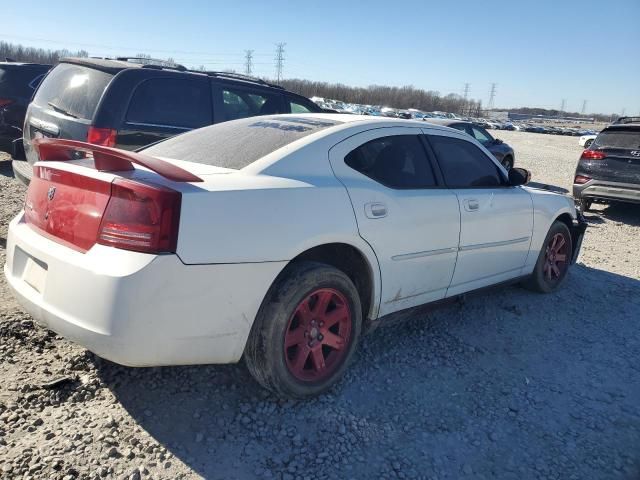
x: 30, y: 270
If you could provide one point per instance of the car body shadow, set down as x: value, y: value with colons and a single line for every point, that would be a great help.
x: 217, y: 421
x: 5, y: 168
x: 626, y: 213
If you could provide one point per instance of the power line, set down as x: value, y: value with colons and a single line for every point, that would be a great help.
x: 492, y: 96
x: 248, y: 57
x: 279, y: 60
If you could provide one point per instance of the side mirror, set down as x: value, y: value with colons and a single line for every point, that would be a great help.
x: 519, y: 176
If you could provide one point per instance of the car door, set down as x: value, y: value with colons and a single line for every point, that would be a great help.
x: 409, y: 219
x: 496, y: 219
x: 162, y: 107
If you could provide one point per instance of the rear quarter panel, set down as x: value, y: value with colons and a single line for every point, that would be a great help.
x: 547, y: 207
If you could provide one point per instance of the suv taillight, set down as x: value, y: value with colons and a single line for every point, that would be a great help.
x: 102, y: 136
x: 141, y: 217
x: 592, y: 155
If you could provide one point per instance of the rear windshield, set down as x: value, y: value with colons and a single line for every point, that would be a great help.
x: 627, y: 139
x: 238, y: 143
x: 72, y: 90
x: 19, y: 81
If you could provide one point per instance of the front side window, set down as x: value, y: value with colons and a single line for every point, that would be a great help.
x: 171, y: 102
x: 298, y: 108
x: 463, y: 164
x: 243, y: 103
x: 398, y: 161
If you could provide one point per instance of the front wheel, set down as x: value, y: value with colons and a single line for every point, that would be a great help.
x: 306, y: 331
x: 588, y: 143
x: 553, y: 261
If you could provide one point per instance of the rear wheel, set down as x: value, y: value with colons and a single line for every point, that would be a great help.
x: 553, y: 261
x: 306, y: 331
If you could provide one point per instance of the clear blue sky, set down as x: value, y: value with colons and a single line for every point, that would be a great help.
x: 537, y: 52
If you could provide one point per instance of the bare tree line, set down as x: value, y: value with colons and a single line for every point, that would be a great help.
x: 20, y: 53
x: 397, y: 97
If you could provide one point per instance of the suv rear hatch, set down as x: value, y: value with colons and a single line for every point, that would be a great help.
x: 64, y: 105
x: 614, y: 155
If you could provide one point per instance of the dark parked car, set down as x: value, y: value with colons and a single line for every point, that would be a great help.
x: 18, y: 81
x: 503, y: 152
x: 123, y: 104
x: 609, y: 170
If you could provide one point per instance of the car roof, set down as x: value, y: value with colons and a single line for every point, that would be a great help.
x: 113, y: 66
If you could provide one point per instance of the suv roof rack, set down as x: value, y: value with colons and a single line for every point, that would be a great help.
x: 239, y: 76
x: 157, y: 63
x: 624, y: 120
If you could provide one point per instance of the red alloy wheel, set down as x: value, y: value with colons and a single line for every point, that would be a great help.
x: 318, y: 335
x: 555, y: 259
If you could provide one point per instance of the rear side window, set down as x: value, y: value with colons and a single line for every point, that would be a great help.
x: 73, y: 90
x: 171, y: 102
x: 19, y: 81
x: 463, y: 164
x: 238, y: 144
x: 242, y: 103
x: 618, y: 138
x: 398, y: 161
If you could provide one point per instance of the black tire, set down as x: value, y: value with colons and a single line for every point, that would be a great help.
x: 540, y: 280
x: 265, y: 354
x: 588, y: 143
x: 507, y: 162
x: 583, y: 204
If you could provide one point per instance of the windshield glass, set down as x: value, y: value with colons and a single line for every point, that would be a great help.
x: 238, y: 143
x: 627, y: 139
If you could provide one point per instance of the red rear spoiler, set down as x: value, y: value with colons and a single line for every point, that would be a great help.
x: 108, y: 159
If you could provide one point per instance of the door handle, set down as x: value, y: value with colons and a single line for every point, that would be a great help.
x: 471, y: 205
x: 375, y: 210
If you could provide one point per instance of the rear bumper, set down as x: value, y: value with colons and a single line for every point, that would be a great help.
x: 22, y: 170
x: 603, y: 190
x: 136, y: 309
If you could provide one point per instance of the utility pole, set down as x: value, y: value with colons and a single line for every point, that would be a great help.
x: 279, y: 60
x: 248, y: 61
x: 492, y: 96
x: 584, y: 107
x: 466, y: 95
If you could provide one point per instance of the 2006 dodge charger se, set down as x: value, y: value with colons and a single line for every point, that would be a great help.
x: 280, y: 239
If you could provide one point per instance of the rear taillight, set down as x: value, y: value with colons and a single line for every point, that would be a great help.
x: 4, y: 102
x: 580, y: 179
x: 102, y: 136
x: 592, y: 155
x: 141, y: 217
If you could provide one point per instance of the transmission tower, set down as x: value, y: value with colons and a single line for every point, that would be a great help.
x: 279, y: 60
x: 563, y: 104
x: 248, y: 61
x: 466, y: 90
x: 492, y: 96
x: 466, y: 95
x: 584, y: 107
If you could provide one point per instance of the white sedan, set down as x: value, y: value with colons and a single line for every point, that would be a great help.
x: 278, y: 238
x: 586, y: 140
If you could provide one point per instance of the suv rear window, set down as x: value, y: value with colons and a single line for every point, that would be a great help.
x: 238, y: 143
x: 73, y: 89
x: 618, y: 138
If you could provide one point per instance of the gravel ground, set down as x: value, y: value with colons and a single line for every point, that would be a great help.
x: 509, y: 384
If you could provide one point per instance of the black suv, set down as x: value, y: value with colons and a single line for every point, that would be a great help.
x: 609, y: 170
x: 124, y: 104
x: 18, y: 81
